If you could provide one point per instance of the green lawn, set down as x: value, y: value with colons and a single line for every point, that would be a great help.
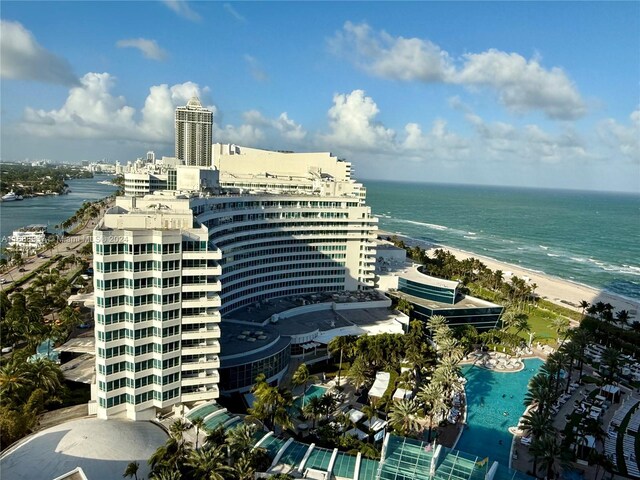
x: 540, y: 316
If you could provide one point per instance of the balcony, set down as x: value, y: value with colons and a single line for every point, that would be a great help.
x: 213, y: 301
x: 208, y: 378
x: 194, y: 271
x: 208, y: 394
x: 202, y: 349
x: 201, y: 333
x: 205, y: 361
x: 202, y: 287
x: 202, y: 318
x: 210, y: 255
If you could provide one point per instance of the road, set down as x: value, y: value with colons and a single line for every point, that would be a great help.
x: 68, y: 245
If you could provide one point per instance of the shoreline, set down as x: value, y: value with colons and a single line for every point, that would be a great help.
x: 559, y: 291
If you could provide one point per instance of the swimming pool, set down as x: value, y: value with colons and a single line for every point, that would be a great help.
x: 312, y: 392
x: 494, y: 403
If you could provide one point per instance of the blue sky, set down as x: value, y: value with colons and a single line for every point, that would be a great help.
x: 542, y: 94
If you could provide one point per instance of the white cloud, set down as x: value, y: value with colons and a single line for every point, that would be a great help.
x: 622, y: 139
x: 438, y: 144
x: 149, y: 48
x: 92, y: 111
x: 257, y: 72
x: 258, y: 129
x: 233, y: 12
x: 353, y: 125
x: 397, y: 58
x: 158, y: 113
x: 508, y: 144
x: 23, y: 58
x: 182, y: 8
x: 521, y: 85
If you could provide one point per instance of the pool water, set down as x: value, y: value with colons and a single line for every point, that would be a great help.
x: 494, y: 403
x: 312, y: 392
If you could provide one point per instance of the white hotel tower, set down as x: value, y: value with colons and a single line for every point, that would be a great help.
x: 156, y: 311
x: 168, y: 265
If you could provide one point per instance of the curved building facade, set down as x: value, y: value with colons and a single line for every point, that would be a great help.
x: 170, y: 264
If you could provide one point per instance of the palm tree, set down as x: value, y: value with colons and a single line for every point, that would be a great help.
x: 45, y: 375
x: 169, y: 456
x: 549, y: 450
x: 582, y: 338
x: 561, y: 327
x: 177, y: 429
x: 271, y: 404
x: 359, y: 373
x: 342, y: 344
x: 166, y: 474
x: 572, y: 351
x: 404, y: 306
x: 209, y: 463
x: 328, y: 403
x: 198, y: 423
x: 215, y: 437
x: 584, y: 305
x: 436, y: 324
x: 132, y: 470
x: 240, y: 439
x: 540, y: 393
x: 313, y: 409
x: 243, y: 467
x: 302, y: 376
x: 432, y: 398
x: 555, y: 364
x: 14, y: 383
x: 403, y: 416
x: 611, y: 362
x: 536, y: 423
x: 622, y: 317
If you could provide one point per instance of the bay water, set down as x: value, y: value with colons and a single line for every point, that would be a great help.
x: 591, y: 238
x: 51, y: 210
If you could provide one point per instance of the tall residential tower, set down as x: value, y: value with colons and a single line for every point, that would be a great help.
x: 193, y: 134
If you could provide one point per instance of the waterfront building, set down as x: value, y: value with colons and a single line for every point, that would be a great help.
x: 140, y: 184
x: 158, y: 302
x: 193, y: 134
x: 156, y: 309
x: 28, y: 239
x: 431, y: 295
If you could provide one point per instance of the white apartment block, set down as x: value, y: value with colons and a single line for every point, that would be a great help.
x: 297, y: 225
x: 156, y: 310
x: 193, y: 134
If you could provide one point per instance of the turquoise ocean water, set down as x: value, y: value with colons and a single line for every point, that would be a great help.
x: 51, y: 210
x: 591, y: 238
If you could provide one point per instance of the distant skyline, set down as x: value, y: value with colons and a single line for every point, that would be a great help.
x: 537, y: 94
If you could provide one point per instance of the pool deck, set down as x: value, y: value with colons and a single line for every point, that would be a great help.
x: 521, y: 459
x: 495, y: 361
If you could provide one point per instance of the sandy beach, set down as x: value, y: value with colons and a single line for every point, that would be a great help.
x: 553, y: 289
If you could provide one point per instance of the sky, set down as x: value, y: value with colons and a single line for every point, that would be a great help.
x: 537, y: 94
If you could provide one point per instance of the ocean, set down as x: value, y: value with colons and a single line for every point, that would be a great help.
x: 51, y: 210
x: 591, y: 238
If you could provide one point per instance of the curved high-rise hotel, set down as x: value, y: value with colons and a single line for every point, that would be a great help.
x: 257, y: 225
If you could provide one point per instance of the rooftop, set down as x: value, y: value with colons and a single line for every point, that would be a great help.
x: 464, y: 301
x: 102, y: 448
x: 412, y: 273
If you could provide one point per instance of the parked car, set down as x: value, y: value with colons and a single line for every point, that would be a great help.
x: 22, y: 270
x: 7, y: 350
